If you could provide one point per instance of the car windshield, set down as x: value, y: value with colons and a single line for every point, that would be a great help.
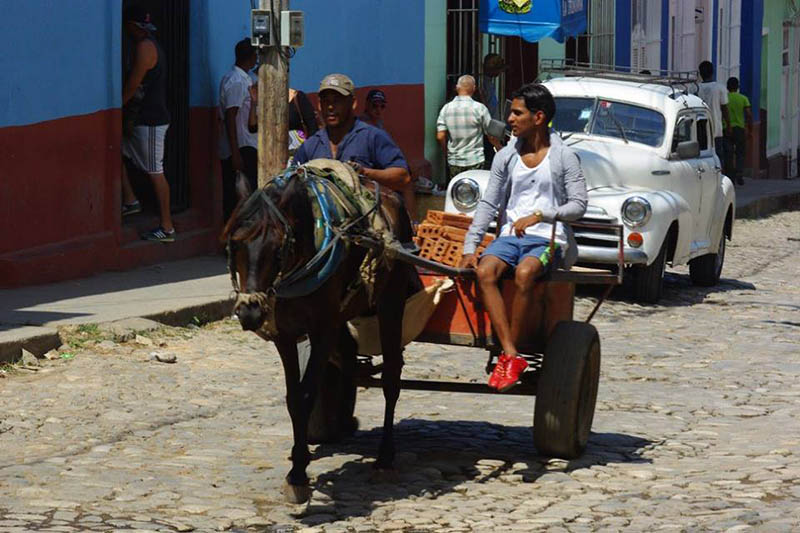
x: 595, y: 116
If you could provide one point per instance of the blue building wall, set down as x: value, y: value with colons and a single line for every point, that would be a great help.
x: 622, y: 33
x: 58, y: 59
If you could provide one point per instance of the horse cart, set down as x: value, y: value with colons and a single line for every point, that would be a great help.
x: 563, y: 353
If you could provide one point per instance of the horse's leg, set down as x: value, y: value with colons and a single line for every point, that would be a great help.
x: 297, y: 489
x: 391, y: 305
x: 348, y: 349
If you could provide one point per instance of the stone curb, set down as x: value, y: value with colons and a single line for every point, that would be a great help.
x: 36, y: 339
x: 768, y: 205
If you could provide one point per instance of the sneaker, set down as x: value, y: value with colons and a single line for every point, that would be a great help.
x: 438, y: 190
x: 511, y: 372
x: 131, y: 208
x: 160, y: 235
x: 499, y: 370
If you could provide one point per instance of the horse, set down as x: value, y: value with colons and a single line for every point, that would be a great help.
x: 270, y: 235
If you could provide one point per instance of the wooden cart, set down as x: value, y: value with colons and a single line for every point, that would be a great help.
x: 563, y: 353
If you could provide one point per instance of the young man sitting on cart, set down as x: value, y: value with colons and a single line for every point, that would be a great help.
x: 536, y: 180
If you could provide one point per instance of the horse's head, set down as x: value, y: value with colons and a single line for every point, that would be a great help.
x: 267, y: 236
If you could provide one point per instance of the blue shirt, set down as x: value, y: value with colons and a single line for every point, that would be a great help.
x: 364, y: 144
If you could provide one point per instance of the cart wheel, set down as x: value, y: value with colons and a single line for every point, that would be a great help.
x: 567, y: 390
x: 332, y: 417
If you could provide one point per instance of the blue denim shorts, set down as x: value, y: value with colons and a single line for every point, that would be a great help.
x: 513, y: 250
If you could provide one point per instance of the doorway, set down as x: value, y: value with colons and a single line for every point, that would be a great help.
x: 171, y: 19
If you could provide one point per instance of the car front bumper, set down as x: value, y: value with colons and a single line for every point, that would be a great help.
x: 608, y: 255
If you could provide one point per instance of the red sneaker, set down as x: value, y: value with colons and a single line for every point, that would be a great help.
x: 513, y: 369
x: 499, y: 370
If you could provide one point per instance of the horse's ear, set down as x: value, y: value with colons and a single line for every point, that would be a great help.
x: 242, y: 187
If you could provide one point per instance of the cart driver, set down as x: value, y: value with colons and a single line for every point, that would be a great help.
x: 535, y: 181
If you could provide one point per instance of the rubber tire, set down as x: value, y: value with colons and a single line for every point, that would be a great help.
x: 706, y: 269
x: 332, y: 418
x: 648, y: 281
x: 567, y: 391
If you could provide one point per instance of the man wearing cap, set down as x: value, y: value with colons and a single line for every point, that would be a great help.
x: 374, y: 106
x: 493, y: 66
x: 238, y: 146
x: 146, y: 86
x: 371, y: 151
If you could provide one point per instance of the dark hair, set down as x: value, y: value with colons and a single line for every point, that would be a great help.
x: 537, y: 98
x: 733, y: 83
x: 134, y: 13
x: 706, y: 70
x: 244, y: 50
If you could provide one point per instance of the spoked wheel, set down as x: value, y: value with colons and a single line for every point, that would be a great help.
x: 567, y: 391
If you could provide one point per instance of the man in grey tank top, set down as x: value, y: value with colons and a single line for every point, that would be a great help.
x: 536, y: 181
x: 145, y: 90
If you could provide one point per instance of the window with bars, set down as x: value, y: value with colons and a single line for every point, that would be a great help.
x: 601, y: 32
x: 645, y: 35
x: 463, y: 40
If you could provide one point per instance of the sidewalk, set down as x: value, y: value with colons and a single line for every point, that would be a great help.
x: 176, y: 293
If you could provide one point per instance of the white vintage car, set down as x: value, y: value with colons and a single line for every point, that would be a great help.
x: 647, y: 152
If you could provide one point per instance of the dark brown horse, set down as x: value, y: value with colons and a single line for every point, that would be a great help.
x: 270, y: 238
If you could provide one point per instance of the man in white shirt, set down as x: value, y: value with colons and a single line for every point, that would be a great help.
x: 234, y: 133
x: 715, y: 95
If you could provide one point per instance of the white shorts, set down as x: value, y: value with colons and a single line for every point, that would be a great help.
x: 145, y: 147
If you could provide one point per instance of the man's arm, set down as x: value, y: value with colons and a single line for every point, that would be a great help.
x: 486, y: 120
x: 488, y: 205
x: 146, y: 58
x: 726, y: 119
x: 389, y: 167
x: 441, y: 137
x: 233, y: 138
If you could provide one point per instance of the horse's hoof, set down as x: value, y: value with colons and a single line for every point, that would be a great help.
x: 296, y: 493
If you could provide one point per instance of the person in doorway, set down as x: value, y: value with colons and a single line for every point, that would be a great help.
x: 302, y: 120
x: 143, y: 145
x: 238, y: 146
x: 715, y: 95
x: 460, y: 129
x: 493, y: 66
x: 740, y: 117
x: 536, y: 181
x: 369, y: 150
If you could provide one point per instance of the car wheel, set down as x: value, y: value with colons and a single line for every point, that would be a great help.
x: 648, y: 281
x: 706, y: 269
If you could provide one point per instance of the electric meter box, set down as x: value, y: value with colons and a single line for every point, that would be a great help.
x: 292, y: 28
x: 261, y: 33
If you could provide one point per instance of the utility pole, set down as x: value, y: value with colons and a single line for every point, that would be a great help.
x: 273, y: 100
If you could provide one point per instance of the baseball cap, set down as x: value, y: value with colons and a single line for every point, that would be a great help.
x: 376, y: 95
x: 139, y: 16
x: 339, y: 83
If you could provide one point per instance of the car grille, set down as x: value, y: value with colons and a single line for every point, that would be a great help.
x: 602, y: 237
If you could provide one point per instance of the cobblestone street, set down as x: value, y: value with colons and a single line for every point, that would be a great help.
x: 697, y: 427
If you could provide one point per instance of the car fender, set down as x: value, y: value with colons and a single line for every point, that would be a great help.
x: 725, y: 201
x: 667, y: 208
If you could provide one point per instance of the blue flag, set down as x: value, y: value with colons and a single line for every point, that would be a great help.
x: 533, y: 20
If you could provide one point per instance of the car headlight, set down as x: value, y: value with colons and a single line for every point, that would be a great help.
x: 465, y: 193
x: 636, y: 211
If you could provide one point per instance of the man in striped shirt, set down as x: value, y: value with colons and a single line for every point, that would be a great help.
x: 460, y: 128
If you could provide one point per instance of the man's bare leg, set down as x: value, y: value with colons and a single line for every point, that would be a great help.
x: 411, y: 201
x: 162, y: 193
x: 128, y: 196
x: 489, y: 271
x: 525, y: 275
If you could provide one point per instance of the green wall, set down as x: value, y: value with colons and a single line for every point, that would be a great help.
x: 435, y: 80
x: 775, y: 12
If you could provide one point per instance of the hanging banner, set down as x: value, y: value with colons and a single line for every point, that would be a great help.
x: 533, y: 20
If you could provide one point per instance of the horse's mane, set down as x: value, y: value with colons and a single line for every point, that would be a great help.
x: 253, y: 217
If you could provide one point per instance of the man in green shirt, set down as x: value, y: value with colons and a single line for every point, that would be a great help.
x: 740, y: 117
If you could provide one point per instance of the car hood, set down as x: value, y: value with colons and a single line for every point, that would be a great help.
x: 607, y: 164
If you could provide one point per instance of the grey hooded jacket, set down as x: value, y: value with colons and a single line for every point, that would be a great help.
x: 570, y: 193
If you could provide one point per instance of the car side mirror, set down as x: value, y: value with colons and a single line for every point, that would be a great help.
x: 688, y: 150
x: 497, y: 129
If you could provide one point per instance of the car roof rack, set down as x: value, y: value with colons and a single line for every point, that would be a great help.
x: 679, y: 81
